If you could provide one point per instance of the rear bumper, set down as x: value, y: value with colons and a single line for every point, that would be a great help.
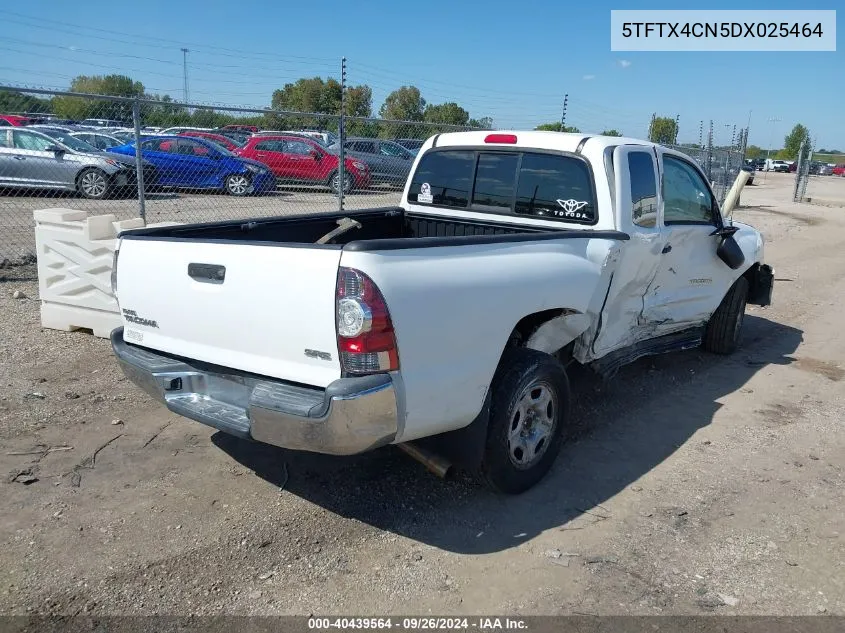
x: 352, y: 415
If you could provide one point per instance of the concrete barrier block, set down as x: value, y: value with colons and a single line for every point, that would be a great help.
x: 75, y: 254
x: 99, y: 227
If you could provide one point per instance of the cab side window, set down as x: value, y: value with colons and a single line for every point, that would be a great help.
x: 643, y: 189
x: 686, y: 197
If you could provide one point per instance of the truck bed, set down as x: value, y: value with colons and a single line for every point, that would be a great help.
x: 387, y: 228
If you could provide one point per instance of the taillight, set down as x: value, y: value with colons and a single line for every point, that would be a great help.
x: 500, y: 138
x: 365, y: 337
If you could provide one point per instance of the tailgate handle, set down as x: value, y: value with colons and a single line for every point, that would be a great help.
x: 207, y: 273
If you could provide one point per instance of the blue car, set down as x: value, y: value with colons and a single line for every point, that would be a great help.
x: 196, y: 163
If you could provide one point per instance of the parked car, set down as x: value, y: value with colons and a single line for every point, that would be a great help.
x: 124, y: 135
x: 13, y: 120
x: 103, y: 123
x: 179, y: 130
x: 298, y: 159
x: 325, y: 138
x: 98, y: 140
x: 225, y: 141
x: 249, y: 129
x: 413, y: 145
x: 758, y: 163
x: 776, y: 165
x: 825, y: 169
x: 317, y: 139
x: 450, y: 319
x: 238, y: 137
x: 57, y: 160
x: 197, y: 163
x: 838, y: 170
x: 389, y: 162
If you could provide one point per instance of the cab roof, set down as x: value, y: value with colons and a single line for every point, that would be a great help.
x: 559, y: 141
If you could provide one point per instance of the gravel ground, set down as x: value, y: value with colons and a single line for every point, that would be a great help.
x: 693, y: 484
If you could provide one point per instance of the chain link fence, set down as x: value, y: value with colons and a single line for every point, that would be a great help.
x: 167, y: 161
x: 721, y: 164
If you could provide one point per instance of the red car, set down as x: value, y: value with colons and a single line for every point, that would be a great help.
x: 225, y: 141
x: 297, y: 159
x: 14, y: 120
x: 249, y: 129
x: 839, y: 170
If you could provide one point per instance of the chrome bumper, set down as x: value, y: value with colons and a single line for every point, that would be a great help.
x: 351, y: 415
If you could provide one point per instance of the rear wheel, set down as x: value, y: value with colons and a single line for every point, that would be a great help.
x: 528, y: 417
x: 334, y: 182
x: 238, y: 184
x: 725, y: 326
x: 93, y: 184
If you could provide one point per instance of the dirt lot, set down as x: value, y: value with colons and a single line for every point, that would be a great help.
x: 693, y: 484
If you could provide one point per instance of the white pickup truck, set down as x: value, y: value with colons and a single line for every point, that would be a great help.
x: 450, y: 319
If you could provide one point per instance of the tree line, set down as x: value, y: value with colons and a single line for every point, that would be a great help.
x: 316, y: 96
x: 311, y: 96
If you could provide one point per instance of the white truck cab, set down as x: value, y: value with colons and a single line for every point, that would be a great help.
x: 448, y: 321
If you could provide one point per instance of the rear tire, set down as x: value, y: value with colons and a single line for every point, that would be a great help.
x: 348, y: 182
x: 93, y: 184
x: 238, y: 184
x: 725, y: 326
x: 529, y: 415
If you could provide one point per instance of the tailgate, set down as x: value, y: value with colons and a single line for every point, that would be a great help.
x: 272, y: 313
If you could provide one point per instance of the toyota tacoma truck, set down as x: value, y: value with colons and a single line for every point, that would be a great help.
x: 448, y: 322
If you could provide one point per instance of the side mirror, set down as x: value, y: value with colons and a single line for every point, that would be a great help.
x: 55, y: 149
x: 728, y: 250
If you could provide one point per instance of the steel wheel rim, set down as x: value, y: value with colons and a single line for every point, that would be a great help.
x: 238, y: 184
x: 532, y: 425
x: 93, y: 184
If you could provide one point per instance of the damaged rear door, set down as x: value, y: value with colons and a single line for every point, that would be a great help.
x: 630, y: 278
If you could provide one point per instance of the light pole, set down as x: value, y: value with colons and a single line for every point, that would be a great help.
x: 185, y: 72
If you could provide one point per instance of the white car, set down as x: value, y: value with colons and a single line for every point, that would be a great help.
x: 450, y: 319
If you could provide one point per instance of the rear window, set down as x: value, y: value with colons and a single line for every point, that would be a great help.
x: 546, y: 185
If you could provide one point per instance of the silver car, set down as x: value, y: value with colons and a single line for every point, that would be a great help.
x: 56, y: 160
x: 98, y: 140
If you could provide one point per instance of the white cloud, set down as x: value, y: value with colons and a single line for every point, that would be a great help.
x: 589, y: 77
x: 624, y: 63
x: 72, y: 48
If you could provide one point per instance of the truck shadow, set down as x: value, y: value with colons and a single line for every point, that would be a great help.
x: 624, y: 428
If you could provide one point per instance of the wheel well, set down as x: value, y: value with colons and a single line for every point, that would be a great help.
x: 528, y: 324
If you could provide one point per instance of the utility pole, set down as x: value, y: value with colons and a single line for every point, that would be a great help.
x: 341, y: 133
x: 563, y: 115
x: 701, y: 134
x: 710, y: 151
x: 185, y: 73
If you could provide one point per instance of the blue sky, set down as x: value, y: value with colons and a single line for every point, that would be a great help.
x: 509, y: 60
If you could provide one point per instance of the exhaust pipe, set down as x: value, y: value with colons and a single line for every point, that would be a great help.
x: 434, y: 463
